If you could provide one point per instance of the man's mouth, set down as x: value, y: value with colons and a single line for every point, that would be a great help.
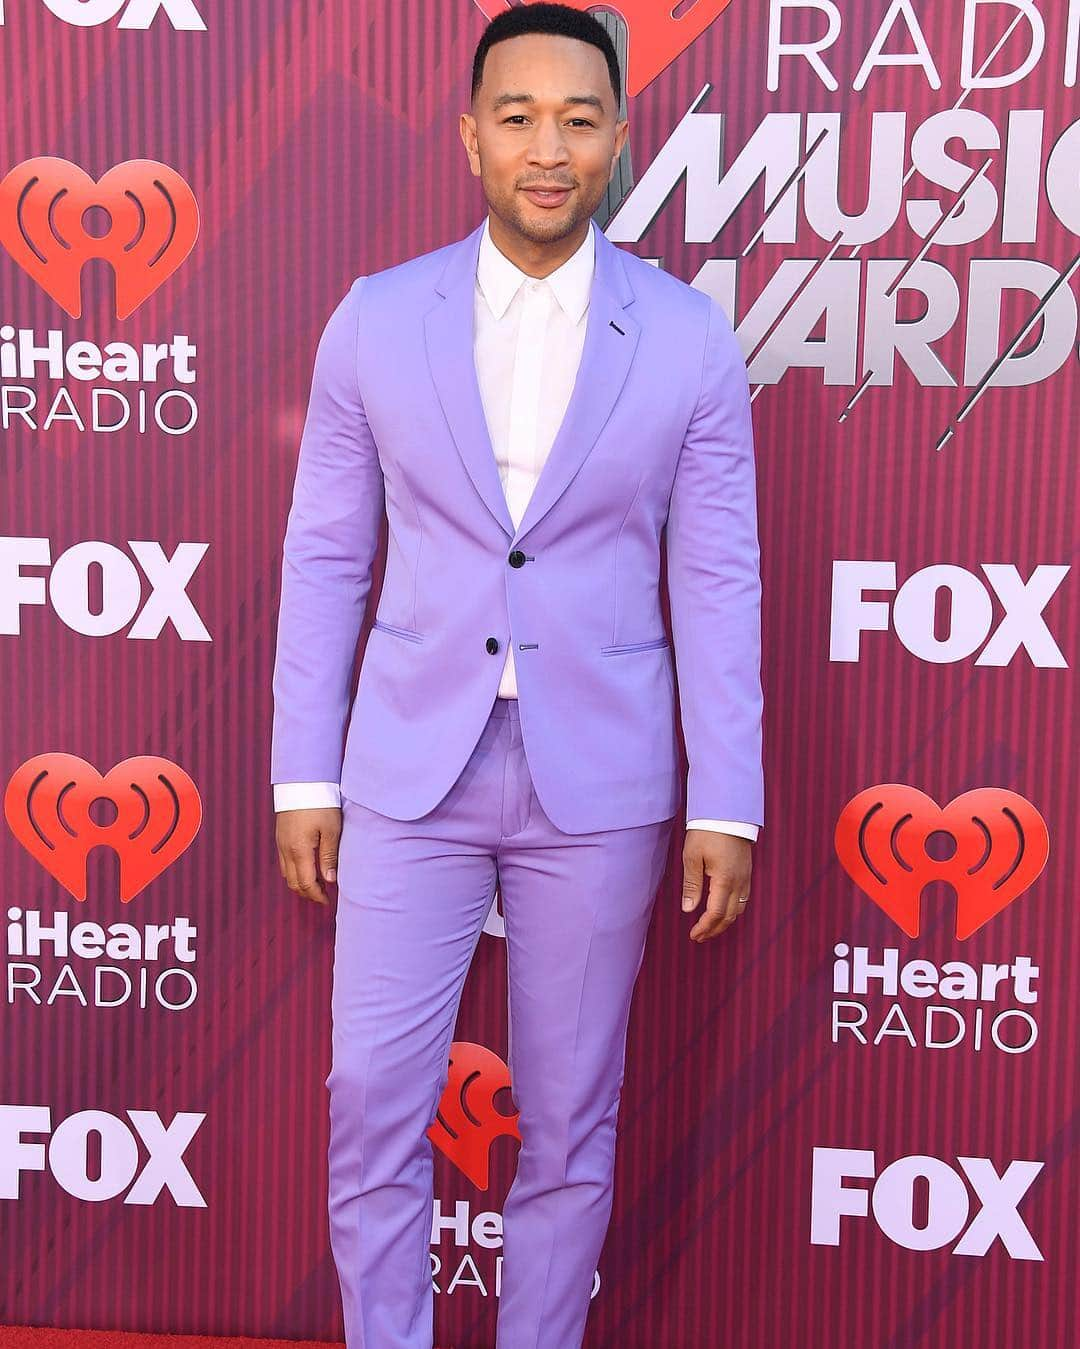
x: 547, y: 196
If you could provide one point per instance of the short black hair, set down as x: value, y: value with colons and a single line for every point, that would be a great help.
x: 542, y: 17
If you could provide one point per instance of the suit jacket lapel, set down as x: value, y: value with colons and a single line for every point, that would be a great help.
x: 448, y: 336
x: 605, y: 361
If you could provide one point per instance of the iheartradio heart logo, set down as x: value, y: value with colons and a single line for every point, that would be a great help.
x: 654, y: 36
x: 467, y: 1123
x: 158, y: 813
x: 153, y: 225
x: 1001, y: 844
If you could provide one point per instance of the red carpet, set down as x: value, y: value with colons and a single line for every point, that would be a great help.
x: 23, y: 1337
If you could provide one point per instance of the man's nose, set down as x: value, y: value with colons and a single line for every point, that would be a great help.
x: 548, y: 145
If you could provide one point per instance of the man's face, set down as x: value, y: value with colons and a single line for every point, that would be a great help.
x: 544, y: 117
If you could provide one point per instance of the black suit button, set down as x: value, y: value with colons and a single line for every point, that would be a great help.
x: 492, y: 644
x: 517, y: 558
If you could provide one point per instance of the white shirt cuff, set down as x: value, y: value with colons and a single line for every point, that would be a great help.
x: 306, y: 795
x: 738, y: 827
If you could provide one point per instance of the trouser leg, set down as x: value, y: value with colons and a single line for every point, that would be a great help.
x: 576, y: 909
x: 412, y: 900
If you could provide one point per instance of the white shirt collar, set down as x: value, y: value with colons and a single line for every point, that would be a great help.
x: 570, y: 282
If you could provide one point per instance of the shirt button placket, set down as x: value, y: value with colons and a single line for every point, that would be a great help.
x: 525, y: 395
x: 525, y: 388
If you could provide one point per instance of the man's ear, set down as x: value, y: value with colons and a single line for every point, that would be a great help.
x: 620, y: 140
x: 467, y: 129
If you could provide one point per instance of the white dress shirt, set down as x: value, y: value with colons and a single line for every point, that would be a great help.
x: 529, y: 333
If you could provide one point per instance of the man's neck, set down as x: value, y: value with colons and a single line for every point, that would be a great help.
x: 535, y: 259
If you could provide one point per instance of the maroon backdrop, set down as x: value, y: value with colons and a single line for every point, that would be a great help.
x: 840, y: 1125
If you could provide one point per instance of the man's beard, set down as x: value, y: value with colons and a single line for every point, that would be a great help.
x: 559, y: 227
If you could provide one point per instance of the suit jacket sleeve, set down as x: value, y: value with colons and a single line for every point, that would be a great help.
x: 714, y: 589
x: 330, y: 540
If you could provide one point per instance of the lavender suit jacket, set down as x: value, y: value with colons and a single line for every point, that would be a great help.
x: 657, y: 433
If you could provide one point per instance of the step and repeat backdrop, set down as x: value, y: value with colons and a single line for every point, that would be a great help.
x: 852, y: 1120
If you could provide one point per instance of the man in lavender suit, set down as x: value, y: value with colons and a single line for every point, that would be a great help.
x: 539, y: 415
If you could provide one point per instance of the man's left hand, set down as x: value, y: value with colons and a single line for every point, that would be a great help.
x: 725, y: 859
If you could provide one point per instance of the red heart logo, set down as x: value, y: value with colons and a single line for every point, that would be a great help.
x: 153, y: 225
x: 1001, y: 846
x: 158, y: 812
x: 654, y: 36
x: 467, y: 1123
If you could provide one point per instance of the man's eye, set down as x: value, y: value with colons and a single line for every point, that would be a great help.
x: 520, y: 117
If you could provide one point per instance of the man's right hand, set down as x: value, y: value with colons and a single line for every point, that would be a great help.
x: 307, y: 844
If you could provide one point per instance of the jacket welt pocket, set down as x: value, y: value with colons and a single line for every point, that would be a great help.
x: 650, y: 645
x: 407, y: 633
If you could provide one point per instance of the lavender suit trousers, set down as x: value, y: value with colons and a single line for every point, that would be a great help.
x: 412, y: 899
